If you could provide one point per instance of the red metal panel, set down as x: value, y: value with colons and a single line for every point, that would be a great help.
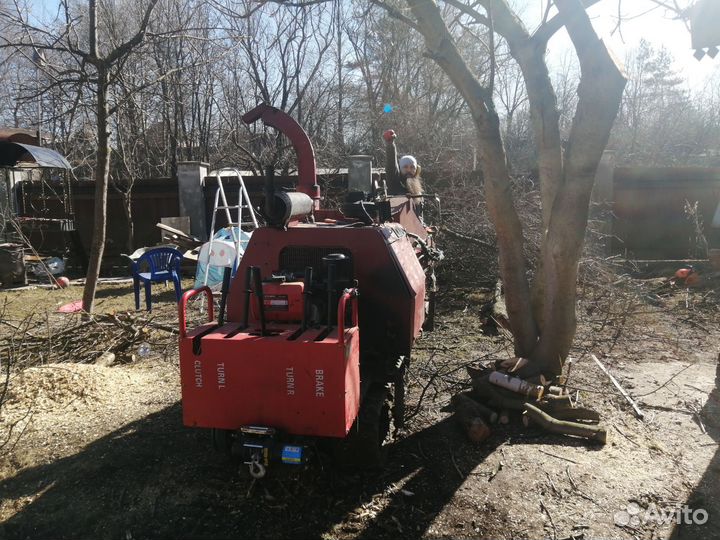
x: 302, y: 386
x: 390, y: 278
x: 283, y: 302
x: 407, y: 262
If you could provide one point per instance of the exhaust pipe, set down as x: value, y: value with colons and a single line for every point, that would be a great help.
x: 227, y: 272
x: 306, y: 297
x: 248, y: 292
x: 331, y: 307
x: 260, y: 298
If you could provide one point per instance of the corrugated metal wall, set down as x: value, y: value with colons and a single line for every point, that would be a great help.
x: 650, y: 221
x: 649, y: 207
x: 152, y: 199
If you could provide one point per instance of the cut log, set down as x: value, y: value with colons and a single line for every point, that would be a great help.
x: 548, y: 423
x: 496, y: 397
x: 477, y: 408
x: 515, y: 384
x: 470, y: 418
x: 559, y: 402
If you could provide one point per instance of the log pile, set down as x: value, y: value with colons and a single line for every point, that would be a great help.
x: 497, y: 396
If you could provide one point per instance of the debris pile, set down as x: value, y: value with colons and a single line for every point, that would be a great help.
x: 97, y: 339
x: 497, y: 396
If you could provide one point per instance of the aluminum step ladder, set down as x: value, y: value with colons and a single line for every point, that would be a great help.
x: 245, y: 216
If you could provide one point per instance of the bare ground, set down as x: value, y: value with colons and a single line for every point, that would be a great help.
x: 103, y: 453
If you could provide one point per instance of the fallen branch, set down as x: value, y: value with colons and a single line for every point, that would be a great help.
x: 571, y: 413
x: 79, y: 341
x: 547, y: 422
x: 556, y: 456
x: 638, y: 413
x: 466, y: 238
x: 663, y: 385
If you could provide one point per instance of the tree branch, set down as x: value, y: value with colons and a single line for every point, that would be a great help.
x: 126, y: 47
x: 396, y: 14
x: 545, y: 31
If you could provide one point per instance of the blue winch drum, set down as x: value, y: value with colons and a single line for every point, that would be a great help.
x: 292, y: 455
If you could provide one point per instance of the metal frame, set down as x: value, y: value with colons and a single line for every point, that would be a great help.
x: 243, y: 203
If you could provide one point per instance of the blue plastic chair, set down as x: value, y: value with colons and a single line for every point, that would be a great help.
x: 163, y: 265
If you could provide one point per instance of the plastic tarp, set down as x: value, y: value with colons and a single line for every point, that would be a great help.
x: 222, y: 256
x: 13, y: 154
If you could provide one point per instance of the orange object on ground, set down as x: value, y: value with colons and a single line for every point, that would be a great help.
x: 689, y: 276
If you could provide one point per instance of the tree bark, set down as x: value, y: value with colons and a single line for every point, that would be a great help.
x: 529, y: 52
x: 599, y: 95
x: 493, y: 163
x: 102, y: 175
x: 544, y: 328
x: 546, y: 131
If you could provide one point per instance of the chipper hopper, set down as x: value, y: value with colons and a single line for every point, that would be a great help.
x: 315, y: 331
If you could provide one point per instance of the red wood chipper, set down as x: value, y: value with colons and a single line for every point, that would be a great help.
x: 315, y: 331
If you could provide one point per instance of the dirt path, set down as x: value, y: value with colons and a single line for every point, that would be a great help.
x: 104, y: 453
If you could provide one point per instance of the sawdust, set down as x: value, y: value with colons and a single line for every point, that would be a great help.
x: 57, y: 385
x: 54, y: 409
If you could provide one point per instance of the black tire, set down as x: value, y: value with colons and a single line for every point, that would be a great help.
x: 222, y: 440
x: 363, y: 447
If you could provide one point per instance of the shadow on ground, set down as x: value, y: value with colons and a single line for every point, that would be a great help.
x: 121, y: 298
x: 155, y: 479
x: 706, y: 495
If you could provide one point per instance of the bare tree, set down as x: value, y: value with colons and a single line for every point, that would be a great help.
x: 93, y: 62
x: 391, y: 84
x: 280, y: 59
x: 543, y: 323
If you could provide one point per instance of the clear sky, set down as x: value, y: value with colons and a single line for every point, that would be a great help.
x: 641, y: 19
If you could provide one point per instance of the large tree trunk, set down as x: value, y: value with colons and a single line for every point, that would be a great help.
x: 546, y: 131
x: 493, y: 163
x: 599, y: 95
x: 543, y: 329
x: 102, y: 175
x: 529, y: 52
